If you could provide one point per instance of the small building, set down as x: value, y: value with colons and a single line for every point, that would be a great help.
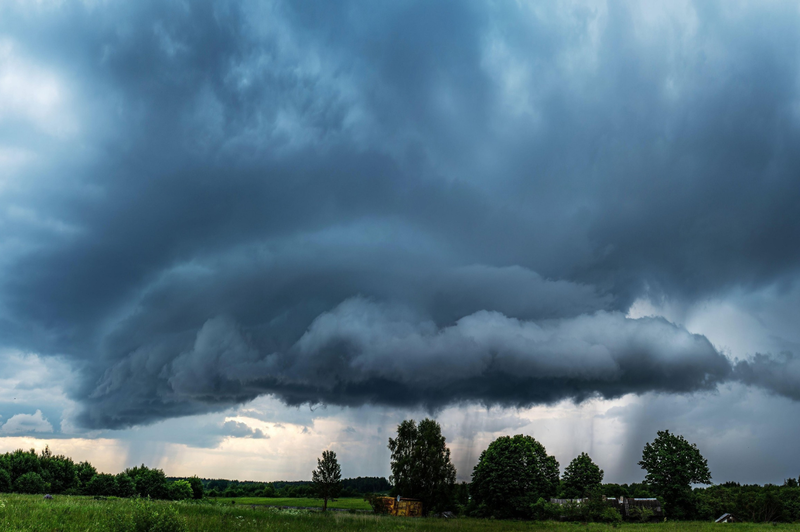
x: 726, y: 518
x: 628, y: 507
x: 401, y: 506
x: 634, y: 507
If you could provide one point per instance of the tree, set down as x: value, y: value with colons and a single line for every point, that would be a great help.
x: 126, y: 487
x: 512, y: 474
x: 581, y: 477
x: 149, y: 482
x: 85, y: 472
x: 421, y: 466
x: 327, y: 478
x: 673, y: 465
x: 58, y: 471
x: 180, y: 490
x: 101, y: 484
x: 197, y: 487
x: 30, y: 483
x: 5, y: 481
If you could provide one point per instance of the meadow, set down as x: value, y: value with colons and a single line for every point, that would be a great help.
x: 350, y: 503
x: 30, y: 513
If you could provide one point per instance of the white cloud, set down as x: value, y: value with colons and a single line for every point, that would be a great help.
x: 26, y: 423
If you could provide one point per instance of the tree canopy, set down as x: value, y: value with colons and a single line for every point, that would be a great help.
x: 673, y: 465
x: 327, y: 478
x: 511, y: 475
x: 581, y: 477
x: 421, y: 466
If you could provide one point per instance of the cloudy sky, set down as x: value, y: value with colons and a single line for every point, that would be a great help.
x: 234, y: 234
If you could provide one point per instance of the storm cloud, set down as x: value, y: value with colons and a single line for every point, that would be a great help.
x: 416, y: 204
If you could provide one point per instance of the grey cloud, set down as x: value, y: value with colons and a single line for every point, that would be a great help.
x: 238, y: 429
x: 503, y: 180
x: 776, y: 373
x: 368, y: 352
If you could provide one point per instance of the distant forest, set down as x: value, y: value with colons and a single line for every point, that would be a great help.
x: 351, y: 487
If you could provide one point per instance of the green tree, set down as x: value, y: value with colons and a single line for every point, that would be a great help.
x: 101, y: 484
x: 30, y: 483
x: 421, y: 466
x: 512, y: 474
x: 327, y: 478
x: 58, y: 471
x: 5, y: 481
x: 149, y: 482
x: 85, y: 472
x: 19, y: 462
x: 126, y: 487
x: 581, y: 477
x: 197, y: 487
x: 180, y: 490
x: 673, y: 465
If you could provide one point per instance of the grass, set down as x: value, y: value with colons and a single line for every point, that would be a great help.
x: 347, y: 504
x: 30, y: 513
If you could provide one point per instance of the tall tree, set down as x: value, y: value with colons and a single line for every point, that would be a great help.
x: 581, y: 477
x: 421, y: 466
x: 327, y: 478
x: 511, y: 475
x: 673, y: 465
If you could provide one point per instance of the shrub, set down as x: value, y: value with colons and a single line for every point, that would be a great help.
x: 542, y: 510
x: 30, y: 483
x: 148, y: 517
x: 180, y: 490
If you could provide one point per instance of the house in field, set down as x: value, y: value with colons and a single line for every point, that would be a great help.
x: 726, y: 518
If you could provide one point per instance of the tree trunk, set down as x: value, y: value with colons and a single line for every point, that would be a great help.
x: 324, y: 504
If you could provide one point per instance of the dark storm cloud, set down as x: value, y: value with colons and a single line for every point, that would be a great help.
x: 411, y: 204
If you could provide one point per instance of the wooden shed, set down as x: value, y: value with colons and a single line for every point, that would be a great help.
x: 401, y: 506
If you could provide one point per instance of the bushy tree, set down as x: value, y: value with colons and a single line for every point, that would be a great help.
x: 19, y: 462
x: 85, y: 472
x: 30, y: 483
x: 673, y: 465
x: 125, y: 486
x: 180, y: 490
x: 421, y: 466
x: 327, y: 478
x: 197, y: 487
x: 581, y: 477
x: 101, y: 484
x: 58, y: 471
x: 512, y: 474
x: 149, y: 482
x: 5, y: 481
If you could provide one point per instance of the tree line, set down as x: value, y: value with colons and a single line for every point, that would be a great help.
x: 515, y: 478
x: 39, y: 473
x: 29, y: 472
x: 350, y: 487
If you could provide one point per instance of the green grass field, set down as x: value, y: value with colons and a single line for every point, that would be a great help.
x: 347, y: 504
x: 31, y: 513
